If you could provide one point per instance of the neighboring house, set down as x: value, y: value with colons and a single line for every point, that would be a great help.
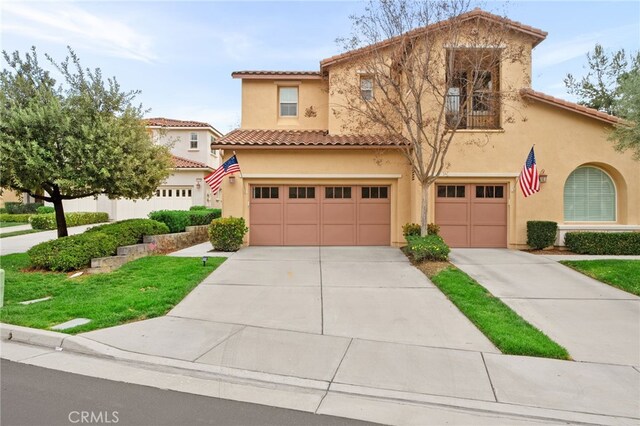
x: 191, y: 145
x: 308, y: 182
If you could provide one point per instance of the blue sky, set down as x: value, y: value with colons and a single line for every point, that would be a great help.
x: 181, y: 54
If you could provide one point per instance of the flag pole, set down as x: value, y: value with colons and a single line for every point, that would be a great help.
x: 234, y: 154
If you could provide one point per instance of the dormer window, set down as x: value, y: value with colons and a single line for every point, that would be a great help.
x: 366, y: 88
x: 193, y: 142
x: 288, y: 101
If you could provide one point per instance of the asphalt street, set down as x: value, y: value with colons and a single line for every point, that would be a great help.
x: 33, y: 396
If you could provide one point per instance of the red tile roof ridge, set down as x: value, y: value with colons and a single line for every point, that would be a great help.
x: 185, y: 163
x: 571, y: 106
x: 171, y: 122
x: 538, y: 34
x: 301, y: 138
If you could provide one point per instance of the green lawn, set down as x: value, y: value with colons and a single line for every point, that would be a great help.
x: 623, y: 274
x: 145, y: 288
x: 7, y: 224
x: 16, y: 233
x: 506, y: 329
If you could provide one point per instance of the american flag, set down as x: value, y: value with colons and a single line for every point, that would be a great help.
x: 529, y: 178
x: 215, y: 178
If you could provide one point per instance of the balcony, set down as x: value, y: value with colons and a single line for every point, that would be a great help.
x: 480, y: 111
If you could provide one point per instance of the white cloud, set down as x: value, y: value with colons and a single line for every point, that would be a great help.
x: 562, y: 51
x: 66, y: 23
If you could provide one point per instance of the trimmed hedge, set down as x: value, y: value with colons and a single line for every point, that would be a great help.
x: 131, y: 231
x: 16, y: 207
x: 198, y: 208
x: 429, y: 247
x: 606, y: 243
x: 226, y: 233
x: 6, y: 217
x: 73, y: 252
x: 45, y: 210
x: 541, y: 234
x: 48, y: 221
x: 178, y: 220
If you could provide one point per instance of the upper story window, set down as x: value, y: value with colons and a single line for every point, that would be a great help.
x: 193, y: 142
x: 472, y: 94
x: 212, y: 144
x: 366, y: 88
x: 288, y: 101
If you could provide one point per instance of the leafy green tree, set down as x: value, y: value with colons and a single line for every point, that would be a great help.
x: 627, y: 135
x: 600, y: 87
x: 81, y: 138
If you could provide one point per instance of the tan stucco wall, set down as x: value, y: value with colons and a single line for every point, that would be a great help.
x: 8, y: 195
x: 261, y: 110
x: 364, y: 167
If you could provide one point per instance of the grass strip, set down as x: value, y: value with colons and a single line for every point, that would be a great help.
x: 8, y: 224
x: 506, y: 329
x: 145, y: 288
x: 619, y: 273
x: 16, y: 233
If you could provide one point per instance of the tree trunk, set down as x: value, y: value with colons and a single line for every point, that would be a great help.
x: 424, y: 208
x: 61, y: 221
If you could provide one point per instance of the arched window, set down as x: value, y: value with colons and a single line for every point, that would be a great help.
x: 589, y: 196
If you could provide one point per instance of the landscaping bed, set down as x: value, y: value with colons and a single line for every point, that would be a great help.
x: 145, y: 288
x: 619, y: 273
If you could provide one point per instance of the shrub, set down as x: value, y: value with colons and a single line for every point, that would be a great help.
x: 203, y: 217
x: 411, y: 229
x: 73, y: 252
x: 606, y: 243
x: 430, y: 247
x: 541, y: 234
x: 176, y: 220
x: 433, y: 229
x: 16, y: 207
x: 198, y: 208
x: 45, y: 210
x: 131, y: 231
x: 6, y: 217
x: 2, y: 210
x: 48, y: 220
x: 226, y: 233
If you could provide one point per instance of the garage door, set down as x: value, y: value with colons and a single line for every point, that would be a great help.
x: 472, y: 215
x: 299, y: 215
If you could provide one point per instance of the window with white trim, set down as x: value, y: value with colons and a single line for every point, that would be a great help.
x: 589, y: 196
x: 288, y: 101
x: 193, y: 141
x: 366, y: 88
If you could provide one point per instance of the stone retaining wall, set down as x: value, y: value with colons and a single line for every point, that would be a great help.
x: 164, y: 243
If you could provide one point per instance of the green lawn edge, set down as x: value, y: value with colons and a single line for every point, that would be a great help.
x: 622, y: 274
x: 144, y: 288
x: 499, y: 323
x: 10, y: 224
x: 16, y: 233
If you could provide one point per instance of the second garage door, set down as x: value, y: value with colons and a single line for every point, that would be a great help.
x: 320, y: 215
x: 472, y: 215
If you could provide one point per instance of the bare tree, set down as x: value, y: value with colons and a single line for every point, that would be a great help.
x: 420, y: 71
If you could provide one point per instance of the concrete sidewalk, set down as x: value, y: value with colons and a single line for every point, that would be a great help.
x: 22, y: 243
x: 594, y: 321
x: 8, y: 229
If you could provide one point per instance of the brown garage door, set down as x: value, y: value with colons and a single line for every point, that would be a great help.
x: 472, y: 215
x: 297, y: 215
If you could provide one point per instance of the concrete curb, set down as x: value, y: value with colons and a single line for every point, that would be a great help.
x: 85, y: 346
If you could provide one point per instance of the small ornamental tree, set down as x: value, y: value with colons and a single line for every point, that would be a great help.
x: 81, y: 138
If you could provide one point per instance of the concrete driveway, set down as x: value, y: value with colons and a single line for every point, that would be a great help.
x: 594, y: 321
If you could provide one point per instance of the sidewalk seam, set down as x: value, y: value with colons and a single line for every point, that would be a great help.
x: 493, y: 389
x: 321, y: 292
x: 335, y: 373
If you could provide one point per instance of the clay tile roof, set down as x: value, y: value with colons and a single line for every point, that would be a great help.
x: 184, y: 163
x: 277, y: 74
x: 302, y: 138
x: 169, y: 122
x: 536, y: 33
x: 580, y: 109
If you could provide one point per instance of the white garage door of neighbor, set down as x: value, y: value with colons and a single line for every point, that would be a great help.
x: 130, y: 209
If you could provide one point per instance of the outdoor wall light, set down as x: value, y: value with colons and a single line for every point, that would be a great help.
x: 543, y: 177
x: 198, y: 182
x: 232, y: 179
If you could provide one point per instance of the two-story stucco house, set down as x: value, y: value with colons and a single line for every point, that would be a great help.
x: 194, y: 158
x: 307, y: 181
